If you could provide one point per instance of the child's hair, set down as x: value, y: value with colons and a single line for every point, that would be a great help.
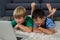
x: 19, y: 12
x: 38, y: 13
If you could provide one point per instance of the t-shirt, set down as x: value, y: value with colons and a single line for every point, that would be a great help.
x: 50, y: 23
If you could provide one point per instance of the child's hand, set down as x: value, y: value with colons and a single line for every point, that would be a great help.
x: 16, y: 26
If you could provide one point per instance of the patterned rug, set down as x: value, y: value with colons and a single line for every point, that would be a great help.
x: 40, y: 36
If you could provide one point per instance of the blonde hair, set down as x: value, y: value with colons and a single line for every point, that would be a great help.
x: 19, y: 12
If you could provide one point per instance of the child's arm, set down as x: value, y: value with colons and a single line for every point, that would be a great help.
x: 47, y: 31
x: 24, y: 28
x: 29, y: 29
x: 32, y: 7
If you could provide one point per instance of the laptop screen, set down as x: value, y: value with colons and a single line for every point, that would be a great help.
x: 6, y: 31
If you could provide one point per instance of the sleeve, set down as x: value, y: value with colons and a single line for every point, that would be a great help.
x: 50, y: 23
x: 29, y: 22
x: 13, y: 23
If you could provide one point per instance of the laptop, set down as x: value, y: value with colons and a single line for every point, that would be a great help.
x: 6, y: 31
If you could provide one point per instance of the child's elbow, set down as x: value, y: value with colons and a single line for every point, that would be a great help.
x: 51, y: 32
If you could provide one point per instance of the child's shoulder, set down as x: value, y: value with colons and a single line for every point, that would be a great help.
x: 49, y: 19
x: 28, y: 17
x: 50, y: 23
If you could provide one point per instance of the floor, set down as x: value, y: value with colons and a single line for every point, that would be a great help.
x: 40, y: 36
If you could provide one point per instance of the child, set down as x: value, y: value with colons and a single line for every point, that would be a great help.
x: 21, y: 21
x: 51, y: 10
x: 43, y: 23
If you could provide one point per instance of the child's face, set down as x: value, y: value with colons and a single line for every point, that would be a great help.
x: 40, y: 21
x: 19, y: 20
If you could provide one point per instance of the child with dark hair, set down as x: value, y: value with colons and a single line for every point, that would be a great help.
x: 43, y: 23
